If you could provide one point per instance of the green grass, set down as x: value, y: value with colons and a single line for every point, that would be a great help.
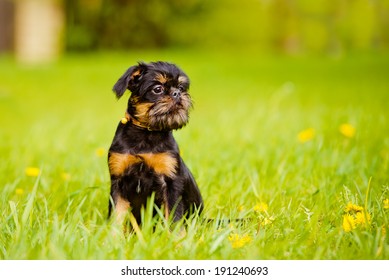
x: 241, y: 145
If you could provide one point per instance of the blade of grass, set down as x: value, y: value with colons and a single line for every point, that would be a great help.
x: 366, y: 201
x: 15, y: 217
x: 30, y: 203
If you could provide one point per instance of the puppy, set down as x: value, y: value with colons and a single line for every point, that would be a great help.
x: 144, y: 157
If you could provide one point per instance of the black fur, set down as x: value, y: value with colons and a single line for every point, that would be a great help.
x: 150, y: 133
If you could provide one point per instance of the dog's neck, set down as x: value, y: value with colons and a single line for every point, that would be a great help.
x: 128, y: 118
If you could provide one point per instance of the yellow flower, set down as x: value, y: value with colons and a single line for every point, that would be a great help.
x: 355, y: 216
x: 353, y: 208
x: 360, y: 218
x: 306, y: 135
x: 65, y: 176
x: 267, y: 221
x: 348, y: 223
x: 240, y: 208
x: 19, y: 191
x: 386, y: 203
x: 100, y: 152
x: 347, y: 130
x: 261, y: 207
x: 239, y: 241
x: 32, y: 171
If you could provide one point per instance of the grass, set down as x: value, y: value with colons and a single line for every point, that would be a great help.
x: 241, y: 144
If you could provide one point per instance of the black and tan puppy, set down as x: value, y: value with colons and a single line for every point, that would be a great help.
x: 144, y: 157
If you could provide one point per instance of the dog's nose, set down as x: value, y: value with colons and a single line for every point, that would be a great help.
x: 176, y: 94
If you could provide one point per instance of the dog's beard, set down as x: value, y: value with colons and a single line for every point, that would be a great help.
x: 165, y: 114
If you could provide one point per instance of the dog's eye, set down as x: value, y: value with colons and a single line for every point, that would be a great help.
x: 181, y: 88
x: 158, y: 89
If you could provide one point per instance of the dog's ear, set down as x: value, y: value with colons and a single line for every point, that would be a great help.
x: 130, y: 79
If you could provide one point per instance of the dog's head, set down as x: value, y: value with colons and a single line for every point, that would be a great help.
x: 159, y: 95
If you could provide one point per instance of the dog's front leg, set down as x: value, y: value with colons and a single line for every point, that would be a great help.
x: 120, y: 205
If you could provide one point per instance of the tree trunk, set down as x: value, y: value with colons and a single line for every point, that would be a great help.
x: 39, y: 28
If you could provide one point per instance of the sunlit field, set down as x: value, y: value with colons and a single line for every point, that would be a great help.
x: 294, y: 151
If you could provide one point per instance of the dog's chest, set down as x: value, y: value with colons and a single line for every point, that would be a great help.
x: 162, y: 164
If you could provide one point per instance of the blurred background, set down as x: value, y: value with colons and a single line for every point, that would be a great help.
x: 290, y: 107
x: 42, y: 30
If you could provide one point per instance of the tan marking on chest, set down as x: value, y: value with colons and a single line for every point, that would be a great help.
x: 118, y: 163
x: 161, y: 163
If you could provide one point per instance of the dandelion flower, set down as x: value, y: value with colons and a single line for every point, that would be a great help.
x: 347, y: 130
x: 348, y: 223
x: 386, y: 203
x: 19, y: 191
x: 353, y: 208
x: 355, y: 217
x: 261, y: 207
x: 361, y: 217
x: 239, y: 241
x: 306, y: 135
x: 65, y: 176
x: 100, y: 152
x: 32, y: 171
